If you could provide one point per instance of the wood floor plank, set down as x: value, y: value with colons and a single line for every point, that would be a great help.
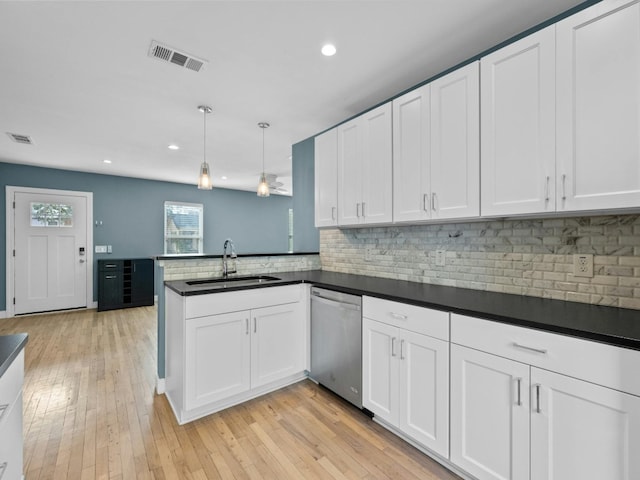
x: 90, y: 412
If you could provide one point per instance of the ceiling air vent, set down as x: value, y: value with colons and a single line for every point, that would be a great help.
x: 24, y: 139
x: 169, y: 54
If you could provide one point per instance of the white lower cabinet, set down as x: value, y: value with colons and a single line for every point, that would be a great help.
x: 11, y: 437
x: 489, y: 415
x: 218, y: 360
x: 405, y: 373
x: 513, y: 417
x: 581, y: 430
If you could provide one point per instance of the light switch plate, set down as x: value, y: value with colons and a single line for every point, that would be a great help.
x: 101, y: 249
x: 583, y: 265
x: 109, y: 249
x: 441, y: 258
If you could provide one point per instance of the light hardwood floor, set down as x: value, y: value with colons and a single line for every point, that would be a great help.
x: 90, y: 411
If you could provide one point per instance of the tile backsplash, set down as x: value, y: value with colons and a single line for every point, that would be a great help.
x: 527, y: 257
x: 178, y: 269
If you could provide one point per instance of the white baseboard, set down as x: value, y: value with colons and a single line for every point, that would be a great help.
x: 160, y: 386
x: 94, y: 305
x: 155, y: 299
x: 3, y: 314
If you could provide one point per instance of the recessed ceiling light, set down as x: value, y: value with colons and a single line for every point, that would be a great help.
x: 106, y: 160
x: 328, y: 50
x: 173, y: 146
x: 224, y: 177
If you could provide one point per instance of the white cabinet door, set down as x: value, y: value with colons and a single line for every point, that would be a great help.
x: 411, y: 183
x: 380, y: 369
x: 377, y: 169
x: 581, y: 430
x: 518, y: 126
x: 455, y: 144
x: 598, y: 90
x: 349, y: 172
x: 217, y: 365
x: 424, y: 390
x: 326, y: 178
x: 489, y: 415
x: 277, y: 343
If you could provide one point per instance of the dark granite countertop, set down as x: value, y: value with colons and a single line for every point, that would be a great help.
x: 614, y: 326
x: 10, y: 347
x: 189, y: 256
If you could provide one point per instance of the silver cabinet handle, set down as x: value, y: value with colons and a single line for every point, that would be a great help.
x: 393, y: 346
x: 519, y: 384
x: 424, y: 202
x: 333, y: 213
x: 255, y: 325
x: 110, y: 276
x: 537, y: 388
x: 363, y: 215
x: 546, y: 190
x: 3, y: 468
x: 541, y: 351
x: 358, y: 210
x: 246, y: 326
x: 402, y: 349
x: 434, y: 198
x: 398, y: 316
x: 564, y: 192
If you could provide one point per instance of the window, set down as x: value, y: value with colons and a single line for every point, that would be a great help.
x: 51, y: 215
x: 182, y: 227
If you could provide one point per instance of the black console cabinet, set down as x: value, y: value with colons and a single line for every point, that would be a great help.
x: 125, y: 283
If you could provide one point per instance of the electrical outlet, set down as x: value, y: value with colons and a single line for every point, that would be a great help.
x: 441, y: 258
x: 583, y: 265
x: 368, y: 254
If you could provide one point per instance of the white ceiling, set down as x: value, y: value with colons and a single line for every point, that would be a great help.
x: 75, y: 76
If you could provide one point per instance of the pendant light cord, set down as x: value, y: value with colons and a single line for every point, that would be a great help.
x: 263, y: 151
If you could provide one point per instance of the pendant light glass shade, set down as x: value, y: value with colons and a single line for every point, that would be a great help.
x: 263, y: 186
x: 204, y: 179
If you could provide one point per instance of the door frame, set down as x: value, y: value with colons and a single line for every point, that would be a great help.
x: 10, y: 241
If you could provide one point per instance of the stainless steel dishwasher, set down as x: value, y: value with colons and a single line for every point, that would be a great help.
x: 336, y: 343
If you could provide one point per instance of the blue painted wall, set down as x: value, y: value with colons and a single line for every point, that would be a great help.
x: 305, y: 235
x: 131, y: 211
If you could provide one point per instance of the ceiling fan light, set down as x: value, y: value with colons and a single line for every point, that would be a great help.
x: 204, y: 180
x: 263, y: 186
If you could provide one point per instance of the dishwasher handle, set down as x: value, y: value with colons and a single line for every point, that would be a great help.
x: 328, y: 301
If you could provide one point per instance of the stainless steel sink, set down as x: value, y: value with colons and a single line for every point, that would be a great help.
x: 232, y: 281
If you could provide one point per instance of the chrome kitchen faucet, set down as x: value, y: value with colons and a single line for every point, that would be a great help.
x: 225, y: 267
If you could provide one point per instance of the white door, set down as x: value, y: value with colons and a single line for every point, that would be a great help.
x: 277, y: 343
x: 349, y: 173
x: 411, y: 195
x: 380, y: 375
x: 581, y: 430
x: 376, y: 169
x: 518, y: 126
x: 51, y: 252
x: 326, y: 178
x: 455, y: 144
x: 218, y: 358
x: 424, y: 390
x: 490, y: 415
x: 598, y: 109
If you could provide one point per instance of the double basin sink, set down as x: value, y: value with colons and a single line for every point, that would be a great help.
x: 232, y: 281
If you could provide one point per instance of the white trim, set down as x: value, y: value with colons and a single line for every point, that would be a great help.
x: 10, y: 238
x: 3, y: 314
x: 160, y: 386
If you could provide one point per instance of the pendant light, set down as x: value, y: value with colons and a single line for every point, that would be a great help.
x: 263, y: 186
x: 204, y: 180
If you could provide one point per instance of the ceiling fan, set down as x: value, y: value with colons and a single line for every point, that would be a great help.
x: 274, y: 185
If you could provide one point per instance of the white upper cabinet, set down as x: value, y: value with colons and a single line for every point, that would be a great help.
x: 365, y: 168
x: 436, y: 165
x: 518, y: 126
x: 598, y: 107
x: 455, y: 144
x: 411, y: 131
x: 326, y: 179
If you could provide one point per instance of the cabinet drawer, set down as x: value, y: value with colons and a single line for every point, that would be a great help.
x: 410, y: 317
x: 109, y: 265
x: 11, y: 385
x: 606, y: 365
x: 215, y: 303
x: 11, y: 442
